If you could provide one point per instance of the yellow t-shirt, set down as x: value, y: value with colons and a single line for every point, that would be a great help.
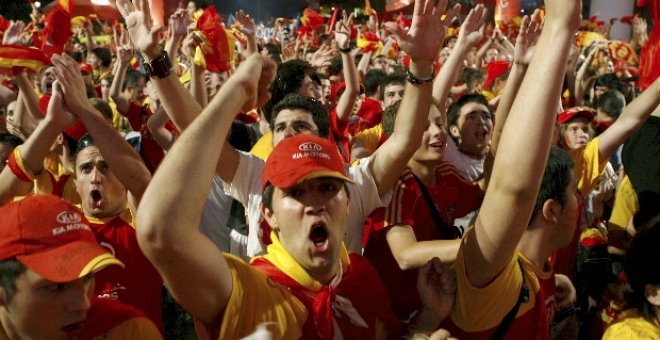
x: 54, y: 179
x: 625, y: 206
x: 632, y: 328
x: 588, y: 166
x: 371, y: 137
x: 263, y: 146
x: 481, y: 309
x: 256, y: 299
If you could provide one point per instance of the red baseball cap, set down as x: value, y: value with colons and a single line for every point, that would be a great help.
x: 302, y: 157
x: 495, y: 69
x: 52, y: 237
x: 575, y: 112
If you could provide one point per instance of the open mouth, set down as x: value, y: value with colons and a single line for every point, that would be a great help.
x: 73, y: 329
x: 319, y: 237
x: 97, y: 198
x: 437, y: 145
x: 482, y: 134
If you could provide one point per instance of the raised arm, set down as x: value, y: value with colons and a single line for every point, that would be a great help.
x: 178, y: 102
x: 471, y: 33
x: 631, y: 119
x: 192, y: 266
x: 247, y: 27
x: 520, y: 163
x: 121, y: 157
x: 422, y: 43
x: 351, y: 77
x: 124, y: 54
x: 156, y: 125
x: 179, y: 22
x: 36, y: 147
x: 528, y: 35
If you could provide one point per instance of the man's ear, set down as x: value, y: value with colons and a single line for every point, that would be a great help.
x: 270, y: 217
x: 652, y: 294
x: 551, y: 210
x: 453, y: 130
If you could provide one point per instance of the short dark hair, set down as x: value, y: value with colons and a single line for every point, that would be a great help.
x: 372, y: 80
x: 133, y: 78
x: 557, y: 176
x: 104, y: 55
x: 612, y: 103
x: 609, y: 80
x: 8, y: 138
x: 103, y: 107
x: 391, y: 79
x: 10, y: 270
x: 642, y: 256
x: 311, y: 105
x: 289, y: 79
x: 83, y: 143
x: 389, y: 118
x: 454, y: 110
x: 336, y: 66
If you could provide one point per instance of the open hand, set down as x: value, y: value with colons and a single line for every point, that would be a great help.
x: 423, y: 40
x: 528, y: 35
x: 343, y: 31
x: 247, y: 24
x: 140, y: 27
x: 472, y: 29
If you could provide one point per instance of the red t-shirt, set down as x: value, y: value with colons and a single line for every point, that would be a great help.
x: 150, y: 151
x: 339, y: 135
x: 138, y: 284
x: 454, y: 196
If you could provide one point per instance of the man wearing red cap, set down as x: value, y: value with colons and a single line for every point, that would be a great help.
x: 377, y: 175
x: 307, y: 284
x: 48, y: 259
x: 109, y: 180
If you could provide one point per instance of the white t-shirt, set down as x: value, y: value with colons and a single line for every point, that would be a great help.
x: 470, y: 167
x: 246, y: 188
x: 215, y: 218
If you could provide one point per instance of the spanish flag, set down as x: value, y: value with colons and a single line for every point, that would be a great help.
x: 57, y: 30
x: 218, y: 45
x: 21, y: 57
x: 585, y: 38
x: 621, y: 51
x: 369, y: 42
x: 309, y: 22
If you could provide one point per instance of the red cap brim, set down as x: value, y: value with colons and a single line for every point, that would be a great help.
x: 70, y: 261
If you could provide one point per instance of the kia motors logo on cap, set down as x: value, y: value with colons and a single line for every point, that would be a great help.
x: 310, y: 146
x: 68, y: 217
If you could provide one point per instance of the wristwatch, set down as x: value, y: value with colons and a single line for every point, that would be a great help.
x: 413, y: 79
x: 160, y: 66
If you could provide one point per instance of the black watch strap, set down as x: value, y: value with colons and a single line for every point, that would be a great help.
x: 413, y: 79
x: 160, y: 67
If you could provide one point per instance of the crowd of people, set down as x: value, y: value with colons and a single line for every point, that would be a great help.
x: 433, y: 176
